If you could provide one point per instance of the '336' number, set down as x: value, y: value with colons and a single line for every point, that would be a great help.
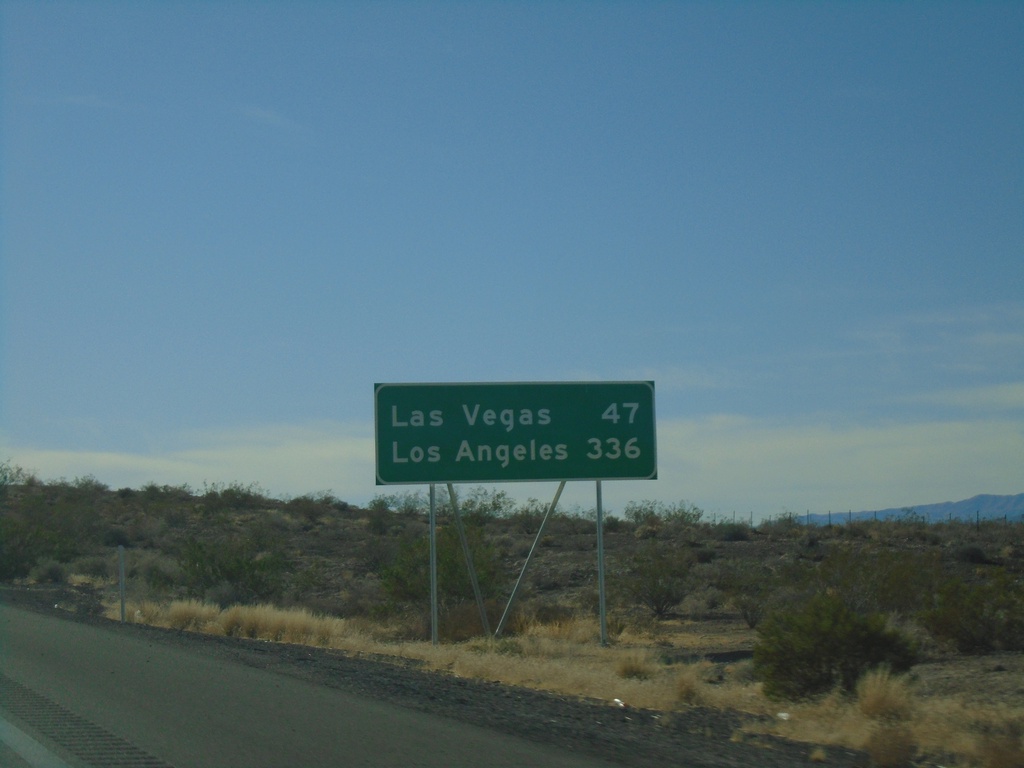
x: 612, y: 448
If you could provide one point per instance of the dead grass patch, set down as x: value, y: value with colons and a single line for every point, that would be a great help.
x: 884, y: 696
x: 636, y: 665
x: 190, y: 615
x: 691, y: 685
x: 1001, y: 745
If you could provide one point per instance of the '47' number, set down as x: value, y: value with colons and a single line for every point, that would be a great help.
x: 612, y: 448
x: 611, y: 413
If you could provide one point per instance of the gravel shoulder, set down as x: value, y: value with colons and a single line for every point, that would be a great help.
x: 693, y: 737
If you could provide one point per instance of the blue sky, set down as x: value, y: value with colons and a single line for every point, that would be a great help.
x: 222, y: 223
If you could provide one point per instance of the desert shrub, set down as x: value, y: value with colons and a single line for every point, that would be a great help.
x: 730, y: 532
x: 157, y: 571
x: 20, y: 546
x: 751, y: 588
x: 527, y: 517
x: 362, y: 597
x: 378, y: 521
x: 44, y: 523
x: 480, y: 505
x: 786, y: 525
x: 407, y: 578
x: 377, y: 553
x: 254, y: 574
x: 823, y: 644
x: 10, y: 475
x: 970, y: 553
x: 26, y: 539
x: 94, y: 565
x: 234, y: 496
x: 116, y: 536
x: 312, y: 578
x: 573, y: 522
x: 48, y: 571
x: 309, y: 509
x: 613, y: 524
x: 752, y: 608
x: 978, y: 617
x: 656, y: 577
x: 408, y: 504
x: 876, y: 579
x: 653, y: 514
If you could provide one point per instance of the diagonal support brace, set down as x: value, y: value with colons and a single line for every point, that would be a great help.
x: 515, y: 589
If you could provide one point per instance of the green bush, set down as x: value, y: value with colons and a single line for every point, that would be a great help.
x: 48, y: 571
x: 878, y: 579
x: 254, y: 574
x: 23, y: 542
x: 730, y: 532
x: 93, y: 565
x: 407, y: 578
x: 653, y: 513
x: 824, y: 644
x: 978, y: 618
x: 656, y: 577
x: 234, y: 496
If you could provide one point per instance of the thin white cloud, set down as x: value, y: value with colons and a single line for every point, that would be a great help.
x: 744, y: 464
x: 980, y: 342
x: 998, y: 397
x: 725, y: 463
x: 283, y: 460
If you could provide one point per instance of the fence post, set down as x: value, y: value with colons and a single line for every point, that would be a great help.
x: 120, y: 579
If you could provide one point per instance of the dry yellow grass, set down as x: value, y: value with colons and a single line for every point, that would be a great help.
x: 884, y: 696
x: 886, y: 718
x: 636, y: 665
x: 691, y: 685
x: 1001, y: 747
x: 190, y: 615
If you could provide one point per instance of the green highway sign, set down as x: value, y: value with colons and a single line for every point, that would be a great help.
x: 506, y: 432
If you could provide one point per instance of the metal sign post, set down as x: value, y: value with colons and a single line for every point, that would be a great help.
x: 433, y: 564
x: 600, y: 567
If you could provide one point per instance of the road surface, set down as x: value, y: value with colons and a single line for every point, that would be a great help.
x: 82, y: 695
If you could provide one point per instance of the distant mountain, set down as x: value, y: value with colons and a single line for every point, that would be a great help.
x: 984, y: 506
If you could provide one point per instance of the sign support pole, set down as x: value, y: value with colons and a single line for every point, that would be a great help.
x: 600, y: 568
x: 433, y: 564
x: 522, y: 573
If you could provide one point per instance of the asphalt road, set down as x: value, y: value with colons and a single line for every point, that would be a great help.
x: 94, y: 696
